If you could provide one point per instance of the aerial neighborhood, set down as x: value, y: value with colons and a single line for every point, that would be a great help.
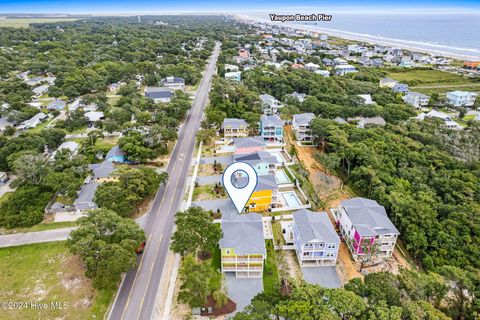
x: 115, y: 138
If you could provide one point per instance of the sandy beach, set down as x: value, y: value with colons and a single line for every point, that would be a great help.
x: 433, y: 49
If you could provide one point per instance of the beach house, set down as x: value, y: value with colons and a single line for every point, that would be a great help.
x: 262, y: 161
x: 265, y: 195
x: 342, y: 69
x: 461, y: 98
x: 299, y: 96
x: 242, y: 245
x: 271, y: 128
x: 270, y: 105
x: 416, y: 99
x: 301, y: 126
x: 400, y: 88
x: 248, y: 145
x: 362, y: 223
x: 234, y: 128
x: 316, y: 242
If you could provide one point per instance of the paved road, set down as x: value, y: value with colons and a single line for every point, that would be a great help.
x: 20, y: 239
x: 136, y: 298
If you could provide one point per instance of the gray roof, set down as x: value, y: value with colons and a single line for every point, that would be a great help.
x: 101, y: 170
x: 368, y: 217
x: 115, y: 151
x: 264, y: 182
x: 299, y: 96
x: 4, y: 123
x: 249, y: 142
x: 256, y: 157
x: 340, y: 120
x: 234, y: 123
x: 314, y: 226
x: 303, y: 118
x: 266, y: 98
x: 84, y: 199
x: 56, y: 104
x: 243, y: 233
x: 158, y: 92
x: 172, y: 79
x: 417, y: 94
x: 273, y: 120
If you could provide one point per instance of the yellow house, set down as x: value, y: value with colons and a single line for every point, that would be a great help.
x: 242, y: 245
x: 234, y: 128
x: 264, y: 195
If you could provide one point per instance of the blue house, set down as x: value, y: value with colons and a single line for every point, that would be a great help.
x: 271, y: 128
x: 116, y: 155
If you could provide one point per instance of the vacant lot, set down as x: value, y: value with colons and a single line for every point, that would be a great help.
x: 417, y: 77
x: 25, y: 23
x: 48, y: 273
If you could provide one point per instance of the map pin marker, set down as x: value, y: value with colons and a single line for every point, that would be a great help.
x: 240, y: 180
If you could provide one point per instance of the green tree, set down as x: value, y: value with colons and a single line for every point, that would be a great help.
x: 195, y: 231
x: 106, y: 242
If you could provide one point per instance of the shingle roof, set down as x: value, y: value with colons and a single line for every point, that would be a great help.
x: 158, y: 92
x: 85, y: 197
x: 243, y: 233
x: 172, y: 79
x: 115, y: 151
x: 101, y: 170
x: 303, y: 118
x: 264, y: 182
x: 256, y: 157
x: 249, y: 142
x: 368, y: 217
x: 273, y: 120
x: 234, y: 123
x: 314, y: 226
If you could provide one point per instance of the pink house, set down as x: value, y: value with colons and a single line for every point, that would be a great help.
x: 363, y: 222
x: 249, y: 145
x: 243, y: 53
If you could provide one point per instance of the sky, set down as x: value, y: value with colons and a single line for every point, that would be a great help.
x: 99, y: 7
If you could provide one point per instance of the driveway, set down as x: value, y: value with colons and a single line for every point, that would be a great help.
x: 324, y: 276
x: 226, y: 160
x: 209, y: 180
x: 242, y: 290
x: 225, y: 205
x: 11, y: 240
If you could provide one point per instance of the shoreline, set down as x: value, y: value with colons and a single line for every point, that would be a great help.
x: 394, y: 43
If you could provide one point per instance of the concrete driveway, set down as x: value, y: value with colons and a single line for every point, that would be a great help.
x: 242, y: 290
x: 325, y: 276
x: 20, y: 239
x: 209, y: 179
x: 226, y: 160
x: 225, y: 205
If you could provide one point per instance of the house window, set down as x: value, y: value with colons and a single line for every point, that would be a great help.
x: 306, y: 253
x: 227, y: 251
x: 331, y: 246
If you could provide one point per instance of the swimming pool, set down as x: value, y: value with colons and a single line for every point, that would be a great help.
x: 291, y: 199
x: 281, y: 177
x: 278, y: 156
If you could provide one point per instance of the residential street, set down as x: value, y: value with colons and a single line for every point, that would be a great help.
x: 35, y: 237
x: 137, y: 294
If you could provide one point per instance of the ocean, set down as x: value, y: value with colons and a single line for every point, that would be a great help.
x: 456, y: 34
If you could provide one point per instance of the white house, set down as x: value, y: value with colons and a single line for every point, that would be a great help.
x: 364, y: 222
x: 323, y: 73
x: 233, y: 76
x: 367, y: 99
x: 175, y: 83
x: 342, y: 69
x: 32, y: 122
x: 461, y: 98
x: 315, y: 239
x: 416, y: 99
x: 270, y: 105
x: 301, y: 126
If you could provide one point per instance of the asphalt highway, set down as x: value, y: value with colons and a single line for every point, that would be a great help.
x: 136, y: 298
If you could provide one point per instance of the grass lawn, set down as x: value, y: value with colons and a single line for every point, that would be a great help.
x: 49, y: 273
x: 277, y: 233
x: 5, y: 196
x: 41, y: 126
x: 417, y: 77
x: 216, y: 258
x: 106, y: 143
x: 65, y: 200
x: 270, y: 273
x: 207, y: 192
x: 40, y: 227
x: 25, y: 23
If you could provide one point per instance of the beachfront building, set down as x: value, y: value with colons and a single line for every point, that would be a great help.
x: 416, y: 99
x: 234, y: 128
x: 271, y: 128
x: 242, y: 245
x: 362, y: 223
x: 461, y: 98
x: 270, y: 105
x: 316, y: 242
x: 301, y: 126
